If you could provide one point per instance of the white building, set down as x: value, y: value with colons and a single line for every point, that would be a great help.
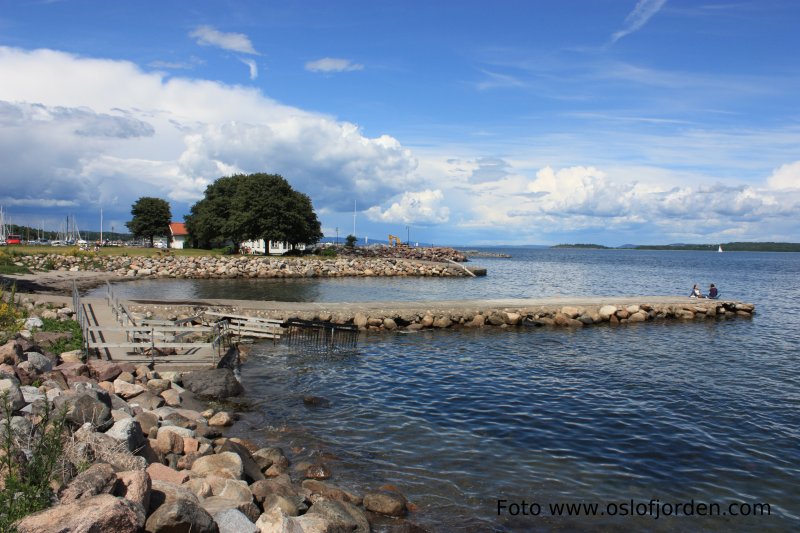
x: 178, y: 235
x: 259, y: 247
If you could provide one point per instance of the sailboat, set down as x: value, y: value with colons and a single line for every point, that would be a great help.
x: 719, y: 249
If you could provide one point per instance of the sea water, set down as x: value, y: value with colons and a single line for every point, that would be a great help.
x: 472, y: 425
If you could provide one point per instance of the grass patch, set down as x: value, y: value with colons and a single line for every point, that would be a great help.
x: 7, y: 265
x: 64, y: 345
x: 111, y: 251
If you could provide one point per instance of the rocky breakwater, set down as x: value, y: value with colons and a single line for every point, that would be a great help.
x: 414, y: 317
x: 434, y: 253
x: 226, y: 267
x: 142, y: 454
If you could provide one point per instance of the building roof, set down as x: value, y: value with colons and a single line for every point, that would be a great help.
x: 178, y: 229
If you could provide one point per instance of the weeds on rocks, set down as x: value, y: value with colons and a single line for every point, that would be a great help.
x: 10, y: 316
x: 29, y: 460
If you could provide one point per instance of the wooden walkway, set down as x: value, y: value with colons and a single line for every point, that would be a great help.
x: 112, y: 333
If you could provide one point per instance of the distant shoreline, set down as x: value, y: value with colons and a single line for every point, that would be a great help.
x: 726, y: 247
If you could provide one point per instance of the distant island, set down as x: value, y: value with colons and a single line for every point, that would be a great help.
x: 726, y: 246
x: 592, y: 246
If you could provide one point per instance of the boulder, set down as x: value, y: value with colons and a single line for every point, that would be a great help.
x: 157, y: 386
x: 250, y: 468
x: 330, y: 492
x: 607, y: 311
x: 33, y: 322
x: 90, y: 406
x: 10, y: 353
x: 385, y: 502
x: 165, y: 474
x: 104, y: 370
x: 266, y: 457
x: 97, y: 479
x: 181, y: 515
x: 128, y: 432
x: 234, y: 521
x: 223, y: 418
x: 134, y: 485
x: 103, y: 512
x: 10, y: 388
x: 147, y: 400
x: 127, y: 390
x: 342, y: 516
x: 39, y: 362
x: 169, y: 442
x: 214, y: 383
x: 228, y: 464
x: 164, y: 491
x: 171, y: 397
x: 317, y: 471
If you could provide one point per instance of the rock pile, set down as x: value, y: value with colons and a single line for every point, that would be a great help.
x: 436, y: 253
x: 225, y: 267
x: 156, y: 464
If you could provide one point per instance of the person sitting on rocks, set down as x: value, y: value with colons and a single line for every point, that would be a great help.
x: 713, y: 293
x: 696, y: 292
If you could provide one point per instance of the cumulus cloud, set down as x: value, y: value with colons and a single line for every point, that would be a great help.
x: 786, y: 176
x: 644, y: 11
x: 235, y: 42
x: 424, y: 207
x: 110, y: 132
x: 332, y: 64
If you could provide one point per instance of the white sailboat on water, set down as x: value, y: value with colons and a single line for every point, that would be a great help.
x: 719, y: 249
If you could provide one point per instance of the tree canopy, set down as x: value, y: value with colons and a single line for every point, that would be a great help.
x: 151, y: 216
x: 253, y: 206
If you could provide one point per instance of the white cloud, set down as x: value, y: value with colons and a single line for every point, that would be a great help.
x: 252, y: 66
x: 422, y: 207
x: 786, y: 177
x: 644, y: 11
x: 235, y: 42
x: 332, y: 64
x: 85, y: 131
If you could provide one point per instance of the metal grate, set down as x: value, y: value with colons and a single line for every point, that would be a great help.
x: 321, y: 337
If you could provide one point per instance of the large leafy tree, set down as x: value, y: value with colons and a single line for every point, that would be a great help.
x: 151, y: 217
x: 253, y: 206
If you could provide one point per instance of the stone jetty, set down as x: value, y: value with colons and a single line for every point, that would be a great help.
x: 142, y: 452
x: 414, y: 316
x: 242, y: 266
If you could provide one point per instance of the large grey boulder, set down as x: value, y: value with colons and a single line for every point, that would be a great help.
x: 10, y: 389
x: 214, y: 383
x: 91, y: 406
x: 128, y: 432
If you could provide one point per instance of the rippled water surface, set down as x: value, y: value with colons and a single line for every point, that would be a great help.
x: 704, y: 411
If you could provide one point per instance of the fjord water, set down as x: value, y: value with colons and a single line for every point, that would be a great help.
x: 705, y: 411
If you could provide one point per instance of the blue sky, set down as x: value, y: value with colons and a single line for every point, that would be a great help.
x: 470, y: 122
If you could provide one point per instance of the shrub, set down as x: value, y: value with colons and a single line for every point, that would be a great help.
x: 10, y: 316
x: 28, y: 463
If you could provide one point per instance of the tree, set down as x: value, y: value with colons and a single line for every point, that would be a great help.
x: 351, y: 241
x: 151, y: 217
x: 250, y: 207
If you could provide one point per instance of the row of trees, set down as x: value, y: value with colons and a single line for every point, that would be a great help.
x: 235, y: 209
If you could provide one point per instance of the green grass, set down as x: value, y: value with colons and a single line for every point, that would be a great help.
x: 7, y: 265
x: 111, y: 251
x: 65, y: 345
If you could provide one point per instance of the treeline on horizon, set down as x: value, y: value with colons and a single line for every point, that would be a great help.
x: 28, y: 233
x: 726, y: 246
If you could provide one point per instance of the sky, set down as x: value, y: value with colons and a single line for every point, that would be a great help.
x: 452, y: 122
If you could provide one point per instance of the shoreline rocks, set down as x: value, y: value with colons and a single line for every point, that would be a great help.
x: 144, y: 466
